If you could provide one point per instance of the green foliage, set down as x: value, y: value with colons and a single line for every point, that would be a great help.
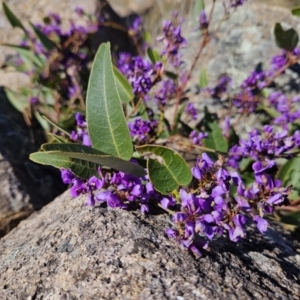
x: 46, y: 42
x: 81, y: 168
x: 285, y: 39
x: 289, y: 174
x: 177, y: 119
x: 84, y: 153
x: 28, y: 56
x: 215, y: 139
x: 168, y: 170
x: 203, y: 81
x: 19, y: 102
x: 123, y: 86
x: 198, y: 8
x: 107, y: 126
x: 296, y: 11
x: 14, y: 21
x: 153, y: 55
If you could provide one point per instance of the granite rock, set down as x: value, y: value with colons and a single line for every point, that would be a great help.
x: 69, y: 251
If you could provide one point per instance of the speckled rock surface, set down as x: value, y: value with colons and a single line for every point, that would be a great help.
x: 243, y: 43
x: 68, y: 251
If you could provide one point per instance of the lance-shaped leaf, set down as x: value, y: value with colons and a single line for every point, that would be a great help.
x: 168, y: 170
x: 27, y: 55
x: 92, y: 155
x: 19, y: 101
x: 153, y: 55
x: 123, y: 86
x: 215, y: 139
x: 107, y: 126
x: 285, y: 39
x: 198, y: 8
x: 54, y: 138
x: 203, y: 81
x: 81, y: 168
x: 296, y: 11
x: 14, y: 21
x: 46, y: 42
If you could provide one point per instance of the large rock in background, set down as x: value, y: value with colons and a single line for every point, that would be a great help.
x: 68, y: 251
x: 24, y: 185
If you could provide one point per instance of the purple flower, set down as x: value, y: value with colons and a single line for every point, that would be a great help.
x: 142, y: 130
x: 262, y: 224
x: 79, y: 11
x: 111, y: 199
x: 67, y: 176
x: 203, y: 20
x: 90, y: 200
x: 197, y: 137
x: 167, y: 91
x: 78, y: 187
x: 173, y: 42
x: 191, y: 110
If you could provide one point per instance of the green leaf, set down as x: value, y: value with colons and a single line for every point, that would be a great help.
x: 80, y: 168
x: 42, y: 121
x: 289, y: 174
x: 92, y: 155
x: 296, y: 11
x: 19, y: 102
x: 203, y: 81
x: 27, y: 55
x: 153, y: 55
x: 248, y: 178
x: 57, y: 126
x: 177, y: 119
x: 107, y: 126
x: 215, y: 139
x: 285, y: 39
x: 46, y: 42
x: 171, y: 75
x: 198, y: 8
x: 147, y: 37
x: 14, y: 21
x: 54, y: 138
x: 123, y: 86
x: 272, y: 112
x: 168, y: 170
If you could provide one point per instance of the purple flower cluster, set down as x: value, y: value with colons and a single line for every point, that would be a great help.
x: 68, y: 62
x: 141, y: 73
x: 81, y: 133
x: 80, y: 186
x: 262, y: 146
x: 117, y: 190
x: 209, y: 210
x: 281, y: 60
x: 191, y: 110
x: 247, y: 100
x: 222, y: 86
x: 197, y: 137
x: 143, y: 131
x: 173, y: 41
x: 288, y: 112
x: 167, y: 91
